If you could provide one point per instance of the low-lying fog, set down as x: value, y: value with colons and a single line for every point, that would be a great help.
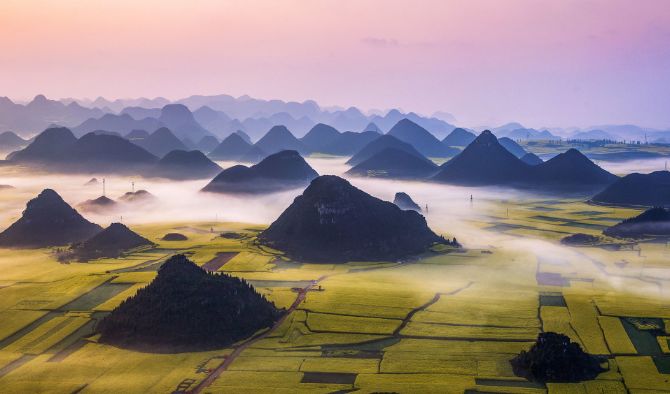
x: 450, y: 209
x: 448, y: 206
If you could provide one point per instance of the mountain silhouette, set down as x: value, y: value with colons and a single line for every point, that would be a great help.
x: 395, y: 163
x: 181, y: 164
x: 380, y: 144
x: 232, y: 148
x: 332, y: 221
x: 186, y: 308
x: 530, y: 134
x: 58, y: 149
x: 160, y: 142
x: 244, y: 136
x: 137, y: 196
x: 95, y: 152
x: 350, y: 142
x: 638, y: 189
x: 253, y: 155
x: 207, y: 144
x: 100, y: 204
x: 9, y: 141
x: 41, y: 112
x: 217, y: 122
x: 405, y: 202
x: 181, y: 122
x: 109, y: 243
x: 459, y: 137
x: 279, y: 138
x: 415, y: 135
x: 484, y: 162
x: 571, y: 169
x: 531, y: 159
x: 319, y: 137
x: 137, y: 134
x: 174, y: 237
x: 372, y: 127
x: 48, y: 221
x: 121, y: 124
x: 280, y: 171
x: 654, y: 222
x: 48, y: 145
x: 142, y: 113
x: 512, y: 146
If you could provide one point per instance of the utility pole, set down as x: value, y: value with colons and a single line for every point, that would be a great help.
x: 132, y: 183
x: 103, y: 187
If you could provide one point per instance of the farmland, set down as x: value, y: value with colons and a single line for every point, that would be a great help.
x: 441, y: 322
x: 444, y: 322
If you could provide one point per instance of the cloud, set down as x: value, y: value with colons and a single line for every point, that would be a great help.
x: 380, y: 42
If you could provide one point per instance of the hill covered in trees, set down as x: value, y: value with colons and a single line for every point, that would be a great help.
x: 186, y: 308
x: 48, y: 221
x: 332, y: 221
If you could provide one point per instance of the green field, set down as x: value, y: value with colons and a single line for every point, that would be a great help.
x: 447, y: 322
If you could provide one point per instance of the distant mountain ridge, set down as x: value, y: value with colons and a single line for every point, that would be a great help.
x: 486, y: 162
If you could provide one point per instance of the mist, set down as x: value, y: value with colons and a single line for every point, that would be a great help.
x: 450, y: 211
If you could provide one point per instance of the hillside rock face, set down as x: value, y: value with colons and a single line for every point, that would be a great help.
x: 405, y: 202
x: 654, y: 222
x: 638, y: 189
x: 48, y: 221
x: 396, y: 164
x: 281, y: 171
x: 554, y: 358
x: 332, y: 221
x: 187, y: 309
x: 110, y: 242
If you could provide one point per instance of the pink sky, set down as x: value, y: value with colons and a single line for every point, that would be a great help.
x: 543, y: 63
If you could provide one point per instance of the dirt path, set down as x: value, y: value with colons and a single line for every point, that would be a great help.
x: 302, y: 294
x: 217, y: 262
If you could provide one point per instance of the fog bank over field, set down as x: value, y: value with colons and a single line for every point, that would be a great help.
x: 450, y: 213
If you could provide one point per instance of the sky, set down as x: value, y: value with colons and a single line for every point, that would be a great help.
x: 543, y: 63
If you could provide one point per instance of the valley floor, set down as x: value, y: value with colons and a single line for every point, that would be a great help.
x: 441, y: 323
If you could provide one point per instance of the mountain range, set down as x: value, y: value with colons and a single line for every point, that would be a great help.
x: 280, y: 171
x: 486, y: 162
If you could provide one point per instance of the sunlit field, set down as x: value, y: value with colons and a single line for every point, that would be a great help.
x: 442, y: 322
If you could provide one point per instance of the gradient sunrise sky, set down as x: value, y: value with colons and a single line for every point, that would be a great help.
x: 543, y: 63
